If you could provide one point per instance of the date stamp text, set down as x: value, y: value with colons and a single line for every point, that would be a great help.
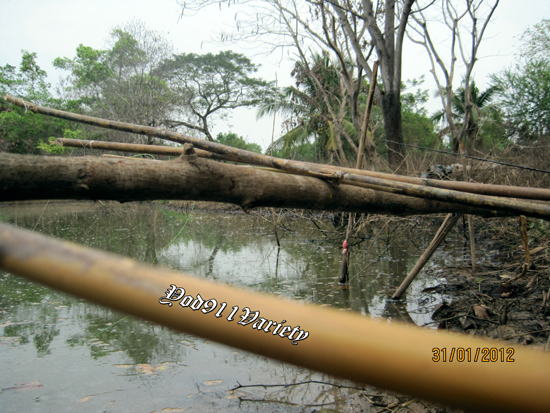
x: 469, y: 355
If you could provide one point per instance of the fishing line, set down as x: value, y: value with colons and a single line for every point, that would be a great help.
x: 40, y: 217
x: 178, y: 234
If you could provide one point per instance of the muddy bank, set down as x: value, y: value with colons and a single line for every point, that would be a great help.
x: 505, y: 299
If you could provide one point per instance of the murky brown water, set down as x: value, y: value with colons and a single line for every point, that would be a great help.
x: 60, y: 353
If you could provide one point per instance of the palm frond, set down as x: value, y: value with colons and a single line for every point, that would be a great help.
x: 350, y: 129
x: 487, y: 96
x: 296, y: 137
x: 330, y: 138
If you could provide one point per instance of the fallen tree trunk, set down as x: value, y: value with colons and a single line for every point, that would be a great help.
x: 542, y: 194
x: 342, y: 176
x: 24, y: 177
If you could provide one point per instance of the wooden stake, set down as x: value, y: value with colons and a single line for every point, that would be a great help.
x: 448, y: 224
x: 525, y: 266
x: 472, y: 242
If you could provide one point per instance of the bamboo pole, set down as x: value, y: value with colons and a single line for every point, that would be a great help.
x: 306, y: 335
x: 344, y: 271
x: 136, y: 148
x: 314, y: 170
x: 446, y: 226
x: 366, y: 118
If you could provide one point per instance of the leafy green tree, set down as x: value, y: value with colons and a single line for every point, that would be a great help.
x: 124, y: 82
x: 418, y: 128
x: 537, y: 42
x: 525, y: 88
x: 483, y: 110
x: 210, y: 85
x: 29, y: 82
x: 22, y: 131
x: 232, y: 139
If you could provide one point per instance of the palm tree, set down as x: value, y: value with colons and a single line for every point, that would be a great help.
x: 482, y: 110
x: 307, y: 109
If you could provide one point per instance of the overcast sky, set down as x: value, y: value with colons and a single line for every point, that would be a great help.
x: 55, y: 28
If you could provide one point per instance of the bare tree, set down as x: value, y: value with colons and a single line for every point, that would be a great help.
x: 386, y: 24
x: 466, y: 25
x: 123, y: 82
x: 306, y: 27
x: 466, y: 22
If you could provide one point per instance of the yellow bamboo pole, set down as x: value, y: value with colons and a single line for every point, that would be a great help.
x: 396, y: 357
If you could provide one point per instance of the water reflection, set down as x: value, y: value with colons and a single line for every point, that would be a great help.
x: 86, y: 357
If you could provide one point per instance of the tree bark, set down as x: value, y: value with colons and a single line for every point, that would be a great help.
x: 388, y: 41
x: 541, y: 194
x: 189, y: 177
x: 391, y: 109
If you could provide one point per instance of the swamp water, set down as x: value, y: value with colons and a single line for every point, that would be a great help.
x: 60, y: 353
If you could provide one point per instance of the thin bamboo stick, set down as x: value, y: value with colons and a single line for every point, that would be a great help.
x: 344, y: 270
x: 377, y: 353
x: 446, y: 226
x: 314, y: 170
x: 366, y: 118
x: 136, y: 148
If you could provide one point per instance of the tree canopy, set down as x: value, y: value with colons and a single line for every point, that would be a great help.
x: 236, y: 141
x: 209, y: 85
x: 22, y: 131
x: 525, y: 87
x: 483, y: 110
x: 309, y: 109
x: 139, y: 80
x: 124, y: 82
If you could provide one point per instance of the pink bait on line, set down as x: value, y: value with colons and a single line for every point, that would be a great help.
x: 345, y: 245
